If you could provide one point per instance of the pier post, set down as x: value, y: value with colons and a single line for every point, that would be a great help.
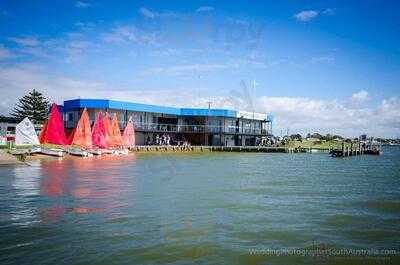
x: 343, y: 149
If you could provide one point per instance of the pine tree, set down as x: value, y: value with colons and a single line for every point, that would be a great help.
x: 33, y: 105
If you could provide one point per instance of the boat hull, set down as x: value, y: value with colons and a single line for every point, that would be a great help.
x: 52, y: 152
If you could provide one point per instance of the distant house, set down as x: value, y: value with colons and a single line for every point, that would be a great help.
x: 7, y: 127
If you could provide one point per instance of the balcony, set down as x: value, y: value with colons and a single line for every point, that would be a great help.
x: 174, y: 128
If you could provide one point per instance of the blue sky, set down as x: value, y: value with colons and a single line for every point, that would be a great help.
x: 331, y: 66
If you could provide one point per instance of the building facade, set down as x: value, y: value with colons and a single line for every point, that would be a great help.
x: 217, y: 127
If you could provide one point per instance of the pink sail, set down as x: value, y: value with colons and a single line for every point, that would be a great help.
x: 107, y: 130
x: 99, y: 133
x: 128, y: 136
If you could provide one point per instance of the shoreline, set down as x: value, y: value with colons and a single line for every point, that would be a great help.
x: 7, y: 159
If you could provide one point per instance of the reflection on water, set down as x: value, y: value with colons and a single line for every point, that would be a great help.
x: 93, y: 191
x: 26, y: 184
x: 197, y: 208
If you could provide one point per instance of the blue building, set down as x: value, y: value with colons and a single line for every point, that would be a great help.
x: 197, y: 126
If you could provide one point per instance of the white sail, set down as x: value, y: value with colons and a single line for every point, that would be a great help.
x: 25, y: 133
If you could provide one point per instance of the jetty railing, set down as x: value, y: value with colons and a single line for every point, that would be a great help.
x: 355, y: 149
x: 174, y: 148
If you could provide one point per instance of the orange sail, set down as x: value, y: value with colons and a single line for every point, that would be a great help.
x: 82, y: 136
x: 116, y: 138
x: 128, y: 136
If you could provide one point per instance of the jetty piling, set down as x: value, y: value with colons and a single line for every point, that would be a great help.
x: 354, y: 150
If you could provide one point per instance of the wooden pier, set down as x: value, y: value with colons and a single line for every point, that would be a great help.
x: 254, y: 149
x: 355, y: 150
x: 345, y: 151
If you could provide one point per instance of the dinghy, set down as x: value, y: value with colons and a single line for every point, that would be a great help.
x: 35, y: 149
x: 106, y: 151
x: 96, y: 152
x: 121, y: 151
x: 52, y: 151
x: 78, y: 152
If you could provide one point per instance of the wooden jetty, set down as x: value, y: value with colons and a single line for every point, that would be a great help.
x: 355, y: 149
x: 254, y: 149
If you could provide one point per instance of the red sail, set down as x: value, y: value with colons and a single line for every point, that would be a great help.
x: 53, y: 131
x: 128, y: 136
x: 71, y: 137
x: 82, y: 136
x: 42, y: 134
x: 99, y: 132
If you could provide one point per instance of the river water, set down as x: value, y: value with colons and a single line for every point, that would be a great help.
x: 215, y: 208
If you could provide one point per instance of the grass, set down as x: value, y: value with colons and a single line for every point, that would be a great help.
x: 29, y: 146
x: 52, y: 146
x: 6, y: 146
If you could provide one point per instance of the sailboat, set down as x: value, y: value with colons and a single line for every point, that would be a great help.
x: 25, y: 133
x: 53, y: 130
x: 128, y: 137
x: 53, y: 133
x: 117, y: 138
x: 80, y: 140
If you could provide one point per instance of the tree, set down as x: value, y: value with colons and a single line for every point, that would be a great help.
x: 296, y: 137
x: 33, y: 105
x: 316, y: 136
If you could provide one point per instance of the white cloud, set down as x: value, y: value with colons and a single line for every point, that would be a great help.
x: 85, y: 25
x: 5, y: 53
x: 196, y: 68
x: 147, y: 13
x: 122, y: 34
x: 323, y: 59
x: 164, y: 52
x: 298, y: 114
x: 184, y: 69
x: 360, y: 96
x: 153, y: 14
x: 329, y: 11
x: 25, y: 41
x: 205, y: 9
x: 312, y: 115
x: 81, y: 4
x: 306, y: 15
